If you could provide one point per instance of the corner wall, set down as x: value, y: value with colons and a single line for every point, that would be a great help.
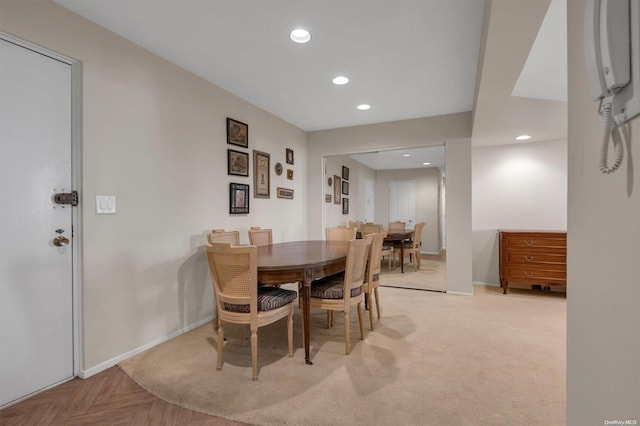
x: 603, y: 319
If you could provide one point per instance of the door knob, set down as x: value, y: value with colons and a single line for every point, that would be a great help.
x: 60, y: 241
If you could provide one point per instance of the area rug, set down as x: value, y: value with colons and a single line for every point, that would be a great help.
x: 433, y: 358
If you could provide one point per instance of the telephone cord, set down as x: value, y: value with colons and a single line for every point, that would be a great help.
x: 609, y: 125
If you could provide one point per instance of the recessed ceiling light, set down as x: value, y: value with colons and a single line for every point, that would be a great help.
x: 523, y: 137
x: 340, y: 80
x: 363, y: 107
x: 426, y: 164
x: 406, y: 155
x: 300, y: 35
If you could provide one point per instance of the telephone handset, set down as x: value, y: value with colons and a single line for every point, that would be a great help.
x: 608, y: 54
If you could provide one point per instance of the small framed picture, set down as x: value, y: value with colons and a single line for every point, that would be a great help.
x: 237, y: 163
x: 289, y: 156
x: 336, y: 190
x: 237, y: 133
x: 261, y: 169
x: 285, y: 193
x: 238, y: 198
x: 345, y: 187
x: 289, y: 174
x: 345, y: 173
x: 327, y: 198
x: 345, y: 206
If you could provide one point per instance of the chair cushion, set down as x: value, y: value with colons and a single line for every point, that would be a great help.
x: 331, y: 288
x: 269, y: 298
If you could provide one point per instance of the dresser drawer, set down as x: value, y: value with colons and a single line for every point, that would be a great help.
x: 537, y: 274
x: 528, y: 257
x: 515, y: 241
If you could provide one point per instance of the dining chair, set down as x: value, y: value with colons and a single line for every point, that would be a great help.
x: 260, y: 237
x: 340, y: 233
x: 222, y: 236
x: 370, y: 228
x: 239, y: 299
x: 412, y: 247
x: 397, y: 226
x: 372, y: 281
x: 389, y: 252
x: 340, y: 292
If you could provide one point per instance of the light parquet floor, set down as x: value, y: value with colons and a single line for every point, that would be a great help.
x: 108, y: 398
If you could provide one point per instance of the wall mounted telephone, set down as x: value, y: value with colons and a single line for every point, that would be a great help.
x: 612, y: 47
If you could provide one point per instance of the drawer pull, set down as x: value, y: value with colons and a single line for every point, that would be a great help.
x: 529, y: 274
x: 528, y: 242
x: 529, y: 258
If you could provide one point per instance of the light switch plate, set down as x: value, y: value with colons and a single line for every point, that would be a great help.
x: 105, y: 204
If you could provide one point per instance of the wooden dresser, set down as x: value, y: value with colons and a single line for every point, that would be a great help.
x: 533, y: 257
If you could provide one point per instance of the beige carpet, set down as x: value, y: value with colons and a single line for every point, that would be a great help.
x: 432, y: 276
x: 433, y: 359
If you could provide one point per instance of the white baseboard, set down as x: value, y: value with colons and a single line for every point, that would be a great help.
x: 487, y: 284
x: 460, y: 293
x: 115, y: 360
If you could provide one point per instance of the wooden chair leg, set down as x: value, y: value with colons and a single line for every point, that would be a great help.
x: 360, y: 321
x: 290, y: 331
x: 347, y: 341
x: 375, y: 290
x: 220, y: 342
x: 254, y: 353
x: 371, y: 309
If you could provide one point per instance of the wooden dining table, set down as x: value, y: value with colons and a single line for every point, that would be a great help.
x: 302, y: 262
x: 397, y: 238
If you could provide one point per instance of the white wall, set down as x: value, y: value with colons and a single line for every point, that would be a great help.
x: 427, y: 187
x: 603, y: 318
x: 154, y: 136
x: 453, y: 129
x: 519, y: 186
x: 359, y: 174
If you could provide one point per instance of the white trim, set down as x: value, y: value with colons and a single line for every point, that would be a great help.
x: 76, y: 182
x: 84, y: 374
x: 485, y: 283
x: 459, y: 293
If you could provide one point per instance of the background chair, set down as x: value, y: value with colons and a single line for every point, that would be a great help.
x: 397, y: 226
x: 234, y: 272
x: 389, y: 252
x: 340, y: 233
x: 339, y: 294
x: 370, y: 228
x: 412, y: 248
x: 370, y: 288
x: 222, y: 236
x: 260, y: 237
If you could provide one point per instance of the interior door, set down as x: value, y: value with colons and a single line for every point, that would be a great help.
x: 36, y: 259
x: 402, y: 202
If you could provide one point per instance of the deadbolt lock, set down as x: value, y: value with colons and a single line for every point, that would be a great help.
x: 66, y: 198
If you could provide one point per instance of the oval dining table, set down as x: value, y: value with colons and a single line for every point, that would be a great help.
x: 303, y: 262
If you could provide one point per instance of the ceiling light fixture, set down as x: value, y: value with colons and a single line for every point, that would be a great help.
x: 523, y: 138
x: 363, y: 107
x: 426, y: 164
x: 340, y: 80
x: 300, y: 35
x: 406, y: 155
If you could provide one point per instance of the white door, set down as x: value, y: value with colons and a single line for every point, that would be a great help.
x: 36, y: 298
x: 402, y: 201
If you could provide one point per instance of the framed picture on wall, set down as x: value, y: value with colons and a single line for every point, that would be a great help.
x: 237, y: 133
x: 345, y: 206
x: 345, y: 187
x: 261, y: 169
x: 289, y: 156
x: 345, y: 173
x: 336, y: 190
x: 238, y: 198
x: 237, y: 163
x: 284, y: 193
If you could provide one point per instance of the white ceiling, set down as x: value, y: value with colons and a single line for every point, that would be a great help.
x: 404, y: 158
x: 407, y: 58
